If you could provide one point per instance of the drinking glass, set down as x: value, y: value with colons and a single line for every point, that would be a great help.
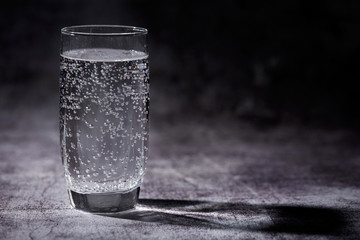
x: 104, y: 109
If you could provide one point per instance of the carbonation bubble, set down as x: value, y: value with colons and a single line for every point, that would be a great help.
x: 103, y: 98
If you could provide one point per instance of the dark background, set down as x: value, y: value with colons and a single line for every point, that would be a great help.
x: 263, y: 62
x: 254, y: 120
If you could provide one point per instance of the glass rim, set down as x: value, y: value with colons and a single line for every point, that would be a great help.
x: 104, y: 30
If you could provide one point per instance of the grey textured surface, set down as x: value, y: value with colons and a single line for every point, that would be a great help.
x: 207, y: 178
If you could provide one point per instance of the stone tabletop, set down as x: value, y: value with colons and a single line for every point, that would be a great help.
x: 206, y: 178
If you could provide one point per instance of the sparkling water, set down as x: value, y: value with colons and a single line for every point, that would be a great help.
x: 104, y: 107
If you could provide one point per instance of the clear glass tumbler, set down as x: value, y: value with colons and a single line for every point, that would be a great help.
x: 104, y: 109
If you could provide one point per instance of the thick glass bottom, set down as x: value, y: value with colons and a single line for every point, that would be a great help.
x: 104, y: 202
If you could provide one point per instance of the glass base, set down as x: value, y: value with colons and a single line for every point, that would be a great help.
x: 104, y: 202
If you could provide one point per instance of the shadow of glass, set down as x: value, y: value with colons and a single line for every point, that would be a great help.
x: 306, y: 220
x: 219, y: 215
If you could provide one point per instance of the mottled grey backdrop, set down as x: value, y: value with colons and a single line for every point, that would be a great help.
x: 263, y: 62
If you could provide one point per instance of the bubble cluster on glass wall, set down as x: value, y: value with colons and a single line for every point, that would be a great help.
x: 104, y: 107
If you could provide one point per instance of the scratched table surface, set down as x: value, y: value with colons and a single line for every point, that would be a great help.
x: 206, y: 178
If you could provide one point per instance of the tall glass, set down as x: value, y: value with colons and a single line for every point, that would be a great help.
x: 104, y: 109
